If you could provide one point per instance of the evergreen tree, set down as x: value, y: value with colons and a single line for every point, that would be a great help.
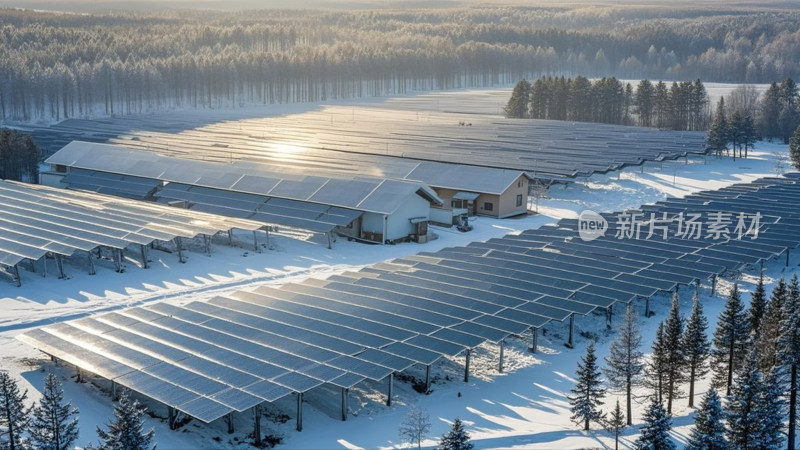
x: 758, y: 304
x: 730, y: 341
x: 718, y: 134
x: 54, y: 425
x: 126, y: 431
x: 709, y: 431
x: 14, y: 416
x: 789, y: 346
x: 456, y: 439
x: 770, y: 413
x: 769, y: 110
x: 655, y: 430
x: 655, y: 368
x: 794, y: 148
x: 789, y: 116
x: 644, y: 103
x: 517, y: 106
x: 616, y: 423
x: 674, y: 357
x: 744, y: 421
x: 624, y: 360
x: 587, y: 394
x: 749, y: 133
x: 695, y: 345
x: 767, y: 346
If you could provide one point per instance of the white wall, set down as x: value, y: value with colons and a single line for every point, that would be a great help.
x: 398, y: 226
x: 372, y: 223
x: 52, y: 179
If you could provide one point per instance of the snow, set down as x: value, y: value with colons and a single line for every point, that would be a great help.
x: 524, y: 407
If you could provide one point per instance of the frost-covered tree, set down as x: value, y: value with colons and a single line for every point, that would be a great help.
x: 655, y: 368
x: 717, y: 139
x: 517, y: 106
x: 794, y: 148
x: 709, y: 431
x: 767, y: 346
x: 625, y: 361
x: 695, y: 345
x: 758, y: 305
x: 751, y: 422
x: 587, y: 394
x: 674, y: 357
x: 730, y: 341
x: 655, y: 430
x: 456, y: 439
x: 616, y: 423
x: 14, y: 415
x: 54, y: 425
x: 770, y: 413
x: 415, y: 426
x: 126, y: 431
x: 789, y: 355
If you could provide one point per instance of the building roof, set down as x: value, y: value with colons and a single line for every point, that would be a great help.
x: 368, y: 194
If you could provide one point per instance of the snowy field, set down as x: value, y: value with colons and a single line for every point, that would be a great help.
x: 525, y: 407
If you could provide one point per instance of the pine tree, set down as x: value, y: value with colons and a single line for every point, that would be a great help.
x: 789, y: 353
x: 709, y: 431
x: 655, y: 430
x: 794, y: 148
x: 695, y: 345
x: 674, y: 357
x: 767, y: 346
x: 624, y: 360
x: 54, y: 425
x: 587, y: 394
x: 517, y: 106
x: 655, y: 369
x: 769, y: 413
x: 14, y: 416
x: 730, y: 341
x: 717, y: 139
x: 743, y: 403
x: 758, y: 304
x: 126, y: 432
x: 456, y: 439
x: 616, y: 423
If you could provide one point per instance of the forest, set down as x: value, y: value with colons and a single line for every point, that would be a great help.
x: 58, y: 65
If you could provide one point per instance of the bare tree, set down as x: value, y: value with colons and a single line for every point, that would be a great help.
x: 744, y: 98
x: 415, y: 426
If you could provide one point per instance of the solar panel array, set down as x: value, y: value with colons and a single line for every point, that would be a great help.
x: 207, y: 358
x: 38, y: 219
x: 379, y: 139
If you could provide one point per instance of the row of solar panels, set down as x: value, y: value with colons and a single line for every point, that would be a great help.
x: 37, y: 220
x: 207, y: 358
x: 261, y: 208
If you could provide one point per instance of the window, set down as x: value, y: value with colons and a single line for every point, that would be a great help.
x: 488, y: 206
x: 519, y: 200
x: 60, y: 168
x: 520, y: 183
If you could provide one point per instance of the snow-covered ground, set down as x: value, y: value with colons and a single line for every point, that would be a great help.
x: 525, y: 407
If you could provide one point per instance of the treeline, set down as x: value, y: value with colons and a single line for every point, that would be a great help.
x: 753, y: 359
x: 679, y: 106
x: 747, y: 116
x: 52, y: 423
x: 54, y: 66
x: 19, y: 156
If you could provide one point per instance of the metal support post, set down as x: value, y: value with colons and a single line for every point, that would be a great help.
x: 113, y: 390
x: 466, y: 365
x: 116, y: 255
x: 171, y: 416
x: 255, y: 242
x: 427, y: 378
x: 15, y: 275
x: 647, y: 306
x: 344, y: 403
x: 92, y: 270
x: 180, y: 249
x: 207, y: 244
x: 713, y: 284
x: 79, y: 378
x: 570, y: 343
x: 609, y: 313
x: 257, y: 425
x: 391, y: 386
x: 534, y: 338
x: 143, y: 249
x: 230, y: 238
x: 502, y: 354
x: 229, y: 422
x: 60, y: 265
x: 266, y: 231
x: 787, y: 257
x: 299, y: 411
x: 330, y: 241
